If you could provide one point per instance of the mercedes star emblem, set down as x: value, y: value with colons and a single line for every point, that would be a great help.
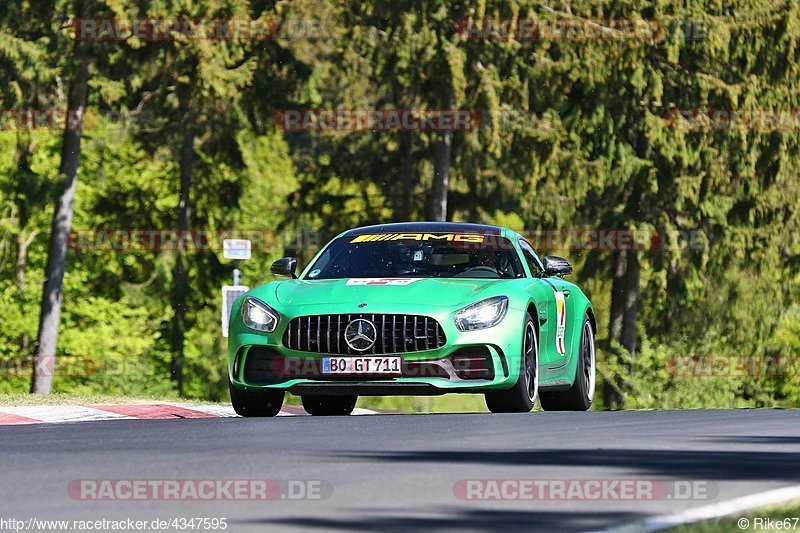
x: 360, y: 334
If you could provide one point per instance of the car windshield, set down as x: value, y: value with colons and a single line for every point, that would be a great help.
x: 418, y: 255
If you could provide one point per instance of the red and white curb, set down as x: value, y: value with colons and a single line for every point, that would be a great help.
x: 83, y: 413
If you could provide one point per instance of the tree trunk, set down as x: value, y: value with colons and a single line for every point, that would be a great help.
x: 24, y: 154
x: 44, y: 363
x: 625, y: 300
x: 624, y: 309
x: 23, y: 243
x: 441, y: 171
x: 180, y: 292
x: 441, y: 178
x: 406, y: 174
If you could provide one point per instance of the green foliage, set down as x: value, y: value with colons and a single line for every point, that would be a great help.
x: 658, y: 380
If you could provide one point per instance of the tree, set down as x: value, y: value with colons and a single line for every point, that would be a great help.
x: 73, y: 57
x: 194, y: 85
x: 25, y: 80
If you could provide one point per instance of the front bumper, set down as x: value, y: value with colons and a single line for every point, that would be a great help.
x: 474, y: 361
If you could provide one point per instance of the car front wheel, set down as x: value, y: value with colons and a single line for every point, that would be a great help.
x: 522, y: 396
x: 256, y: 403
x: 579, y: 397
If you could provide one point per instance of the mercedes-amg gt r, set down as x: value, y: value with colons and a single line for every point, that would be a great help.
x: 415, y: 309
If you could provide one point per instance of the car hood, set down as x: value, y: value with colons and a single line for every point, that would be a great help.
x: 428, y: 291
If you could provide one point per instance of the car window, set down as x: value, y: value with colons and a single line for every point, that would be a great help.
x: 418, y: 255
x: 530, y: 258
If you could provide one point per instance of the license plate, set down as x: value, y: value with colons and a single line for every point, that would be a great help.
x: 361, y: 365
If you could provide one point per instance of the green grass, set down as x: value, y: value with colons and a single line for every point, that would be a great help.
x: 449, y: 403
x: 726, y: 525
x: 11, y: 399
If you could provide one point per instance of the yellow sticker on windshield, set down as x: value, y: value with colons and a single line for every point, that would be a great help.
x: 423, y: 237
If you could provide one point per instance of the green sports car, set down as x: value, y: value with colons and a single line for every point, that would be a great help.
x: 415, y: 309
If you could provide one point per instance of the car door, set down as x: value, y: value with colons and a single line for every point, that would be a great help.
x: 546, y: 302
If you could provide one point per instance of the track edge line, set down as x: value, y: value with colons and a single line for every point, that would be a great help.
x: 722, y: 509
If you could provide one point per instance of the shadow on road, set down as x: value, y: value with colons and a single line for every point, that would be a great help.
x: 759, y: 439
x: 693, y: 464
x: 449, y: 519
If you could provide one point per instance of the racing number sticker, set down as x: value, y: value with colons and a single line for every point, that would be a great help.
x: 381, y: 281
x: 561, y: 321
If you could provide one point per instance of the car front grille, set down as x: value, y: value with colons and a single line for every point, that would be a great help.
x: 395, y: 334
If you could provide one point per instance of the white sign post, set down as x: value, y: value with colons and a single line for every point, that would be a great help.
x: 238, y: 250
x: 229, y: 294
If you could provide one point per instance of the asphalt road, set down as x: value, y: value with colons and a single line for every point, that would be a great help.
x: 402, y: 472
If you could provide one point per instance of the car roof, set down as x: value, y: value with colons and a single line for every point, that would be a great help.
x: 428, y: 227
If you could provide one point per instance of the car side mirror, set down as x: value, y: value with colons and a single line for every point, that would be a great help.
x: 285, y: 267
x: 556, y: 266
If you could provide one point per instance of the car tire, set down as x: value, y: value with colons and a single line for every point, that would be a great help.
x: 321, y: 405
x: 521, y: 397
x: 256, y: 403
x: 578, y: 397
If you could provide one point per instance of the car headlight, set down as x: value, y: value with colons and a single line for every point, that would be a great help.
x: 259, y: 316
x: 483, y: 314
